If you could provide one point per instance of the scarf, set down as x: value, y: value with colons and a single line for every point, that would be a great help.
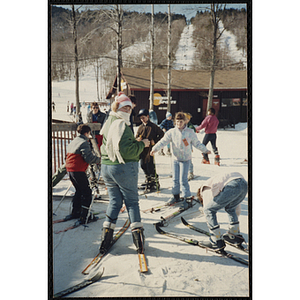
x: 114, y: 135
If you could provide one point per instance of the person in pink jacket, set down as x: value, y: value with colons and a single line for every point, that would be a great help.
x: 210, y: 124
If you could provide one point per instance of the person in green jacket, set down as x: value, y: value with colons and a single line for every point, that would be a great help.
x: 120, y: 153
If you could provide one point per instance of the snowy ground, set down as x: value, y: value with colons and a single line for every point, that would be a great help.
x: 175, y: 268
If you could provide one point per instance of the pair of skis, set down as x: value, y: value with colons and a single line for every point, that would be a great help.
x: 75, y: 225
x: 96, y: 260
x: 166, y: 220
x: 197, y: 243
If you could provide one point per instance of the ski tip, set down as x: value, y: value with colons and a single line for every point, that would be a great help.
x: 184, y: 221
x: 97, y: 276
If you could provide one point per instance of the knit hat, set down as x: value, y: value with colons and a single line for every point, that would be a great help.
x: 168, y: 114
x: 123, y: 100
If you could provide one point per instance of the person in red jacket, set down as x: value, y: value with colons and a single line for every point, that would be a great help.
x: 210, y: 124
x: 79, y: 156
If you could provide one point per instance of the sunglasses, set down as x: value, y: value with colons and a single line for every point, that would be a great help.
x: 95, y: 107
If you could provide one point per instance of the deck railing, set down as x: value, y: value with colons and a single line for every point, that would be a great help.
x: 62, y: 135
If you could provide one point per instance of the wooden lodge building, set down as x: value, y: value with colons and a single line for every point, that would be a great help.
x: 189, y: 92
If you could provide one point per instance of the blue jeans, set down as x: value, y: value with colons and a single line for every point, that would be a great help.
x: 233, y: 193
x: 122, y: 184
x: 180, y: 175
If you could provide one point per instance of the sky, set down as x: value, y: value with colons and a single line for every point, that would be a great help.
x: 189, y: 10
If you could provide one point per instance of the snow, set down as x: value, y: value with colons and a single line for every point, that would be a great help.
x: 175, y: 268
x: 186, y: 50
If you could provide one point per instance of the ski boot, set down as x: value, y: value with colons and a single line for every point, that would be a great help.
x: 233, y: 235
x: 169, y: 152
x: 72, y: 216
x: 138, y: 239
x: 154, y: 184
x: 205, y: 159
x: 216, y: 246
x: 173, y: 200
x: 187, y: 202
x: 107, y: 236
x: 217, y: 160
x: 190, y: 176
x: 215, y: 242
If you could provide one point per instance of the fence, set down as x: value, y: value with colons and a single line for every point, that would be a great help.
x: 62, y: 135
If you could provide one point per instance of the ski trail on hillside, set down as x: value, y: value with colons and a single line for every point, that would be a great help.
x: 228, y: 41
x: 186, y: 49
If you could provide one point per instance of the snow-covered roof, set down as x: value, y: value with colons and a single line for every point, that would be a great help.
x: 185, y: 79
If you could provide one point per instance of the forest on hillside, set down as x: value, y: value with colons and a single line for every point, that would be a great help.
x: 96, y: 38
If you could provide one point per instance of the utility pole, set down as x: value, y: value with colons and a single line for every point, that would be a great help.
x: 169, y: 59
x: 151, y: 60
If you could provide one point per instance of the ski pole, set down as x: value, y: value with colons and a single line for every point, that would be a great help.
x: 62, y: 199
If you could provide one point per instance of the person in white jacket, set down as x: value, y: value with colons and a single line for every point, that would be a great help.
x: 226, y: 190
x: 181, y: 138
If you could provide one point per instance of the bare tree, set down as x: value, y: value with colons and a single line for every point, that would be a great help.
x: 152, y: 60
x: 169, y: 59
x: 74, y: 34
x: 215, y: 9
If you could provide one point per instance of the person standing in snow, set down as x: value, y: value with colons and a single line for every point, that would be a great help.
x: 119, y: 164
x: 165, y: 125
x: 181, y: 137
x: 152, y: 132
x: 96, y: 116
x: 226, y: 191
x: 210, y: 124
x: 79, y: 156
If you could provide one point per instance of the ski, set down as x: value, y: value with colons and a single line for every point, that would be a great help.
x: 65, y: 220
x: 165, y: 220
x: 147, y: 191
x: 77, y: 224
x: 196, y: 243
x: 208, y: 234
x: 161, y: 206
x: 95, y: 261
x: 80, y: 286
x: 142, y: 263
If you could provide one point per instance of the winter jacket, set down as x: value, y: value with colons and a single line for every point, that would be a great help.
x: 218, y: 182
x: 151, y: 132
x: 210, y: 123
x: 79, y: 155
x: 166, y: 124
x: 99, y: 117
x: 181, y: 141
x: 129, y: 147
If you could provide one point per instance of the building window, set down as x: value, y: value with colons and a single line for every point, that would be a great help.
x: 227, y: 102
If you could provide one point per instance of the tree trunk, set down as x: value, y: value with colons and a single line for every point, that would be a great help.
x: 169, y: 60
x: 119, y: 48
x: 76, y: 61
x: 151, y: 61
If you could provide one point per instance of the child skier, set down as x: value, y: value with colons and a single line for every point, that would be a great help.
x: 79, y: 156
x: 227, y: 191
x: 180, y: 137
x: 150, y: 131
x: 210, y: 124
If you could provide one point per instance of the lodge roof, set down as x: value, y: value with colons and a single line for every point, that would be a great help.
x: 186, y: 80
